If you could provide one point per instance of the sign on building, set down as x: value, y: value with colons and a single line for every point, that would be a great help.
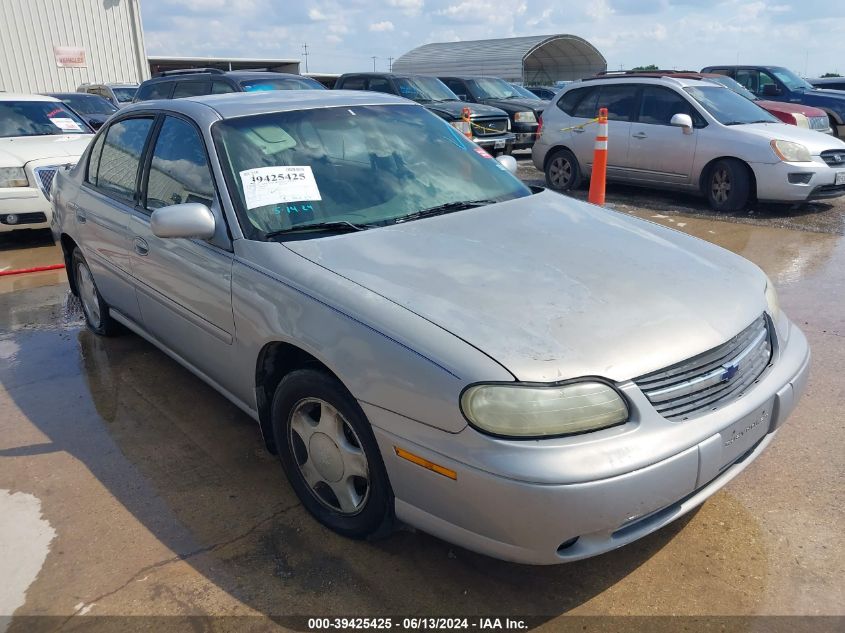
x: 69, y: 56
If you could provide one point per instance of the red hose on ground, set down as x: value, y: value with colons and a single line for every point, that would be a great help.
x: 36, y: 269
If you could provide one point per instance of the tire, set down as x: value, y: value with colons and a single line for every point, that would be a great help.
x: 96, y: 311
x: 325, y: 445
x: 728, y: 185
x: 563, y: 173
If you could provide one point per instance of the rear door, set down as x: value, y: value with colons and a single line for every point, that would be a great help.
x: 620, y: 101
x: 104, y: 205
x: 183, y: 285
x: 658, y: 151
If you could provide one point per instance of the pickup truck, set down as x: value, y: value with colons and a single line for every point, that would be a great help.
x: 776, y: 83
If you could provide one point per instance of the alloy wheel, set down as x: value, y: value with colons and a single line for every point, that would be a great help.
x: 329, y: 456
x: 720, y: 185
x: 560, y: 172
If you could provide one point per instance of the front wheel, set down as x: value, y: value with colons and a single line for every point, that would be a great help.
x: 330, y: 456
x: 728, y: 185
x: 96, y: 311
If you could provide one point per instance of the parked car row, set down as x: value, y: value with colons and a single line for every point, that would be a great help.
x: 421, y: 337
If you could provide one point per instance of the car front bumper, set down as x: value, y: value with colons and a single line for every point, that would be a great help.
x: 773, y: 181
x: 493, y: 509
x: 503, y: 142
x: 29, y: 206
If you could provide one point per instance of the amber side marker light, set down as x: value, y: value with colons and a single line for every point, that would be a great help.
x: 421, y: 461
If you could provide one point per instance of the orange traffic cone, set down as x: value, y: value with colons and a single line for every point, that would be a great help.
x: 598, y: 179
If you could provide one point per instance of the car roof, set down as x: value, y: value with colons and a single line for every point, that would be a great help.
x: 19, y: 96
x: 233, y: 74
x: 237, y: 104
x: 660, y: 80
x: 64, y: 95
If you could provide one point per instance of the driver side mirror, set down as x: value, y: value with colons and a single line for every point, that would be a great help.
x: 508, y: 162
x: 683, y: 121
x: 771, y: 90
x: 189, y: 220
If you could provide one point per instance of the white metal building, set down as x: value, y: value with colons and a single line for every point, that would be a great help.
x: 56, y: 45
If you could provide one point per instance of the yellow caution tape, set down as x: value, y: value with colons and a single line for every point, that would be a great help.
x: 487, y: 129
x: 579, y: 126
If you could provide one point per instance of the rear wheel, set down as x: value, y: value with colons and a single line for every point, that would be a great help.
x: 329, y: 453
x: 563, y: 171
x: 96, y: 311
x: 728, y: 185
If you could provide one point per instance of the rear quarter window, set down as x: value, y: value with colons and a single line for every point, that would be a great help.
x: 570, y: 100
x: 159, y: 90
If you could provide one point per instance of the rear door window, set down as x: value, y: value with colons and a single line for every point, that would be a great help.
x: 619, y: 101
x: 749, y: 79
x: 191, y: 89
x: 117, y: 175
x: 588, y: 106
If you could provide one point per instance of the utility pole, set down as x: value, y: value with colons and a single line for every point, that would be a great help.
x: 374, y: 63
x: 390, y: 64
x: 305, y: 53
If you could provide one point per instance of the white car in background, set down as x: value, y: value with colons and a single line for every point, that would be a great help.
x: 38, y: 136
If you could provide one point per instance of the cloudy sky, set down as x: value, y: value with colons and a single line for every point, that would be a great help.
x: 344, y: 35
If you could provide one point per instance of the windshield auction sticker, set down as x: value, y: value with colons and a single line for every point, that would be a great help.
x: 271, y: 185
x: 65, y: 123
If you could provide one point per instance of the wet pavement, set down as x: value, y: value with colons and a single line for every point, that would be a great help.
x: 152, y: 495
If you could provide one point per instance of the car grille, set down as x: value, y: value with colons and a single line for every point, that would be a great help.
x: 44, y: 178
x: 714, y: 378
x: 819, y: 123
x: 489, y: 127
x: 834, y: 157
x: 23, y: 218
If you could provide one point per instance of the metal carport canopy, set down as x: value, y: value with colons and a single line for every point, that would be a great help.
x: 536, y: 59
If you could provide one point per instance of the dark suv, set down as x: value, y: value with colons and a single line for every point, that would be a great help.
x: 488, y: 127
x: 776, y: 83
x: 524, y: 113
x: 193, y: 82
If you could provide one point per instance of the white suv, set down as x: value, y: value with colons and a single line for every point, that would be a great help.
x: 38, y: 135
x: 687, y: 134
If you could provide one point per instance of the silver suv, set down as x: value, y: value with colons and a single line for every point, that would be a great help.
x: 687, y: 134
x: 420, y: 336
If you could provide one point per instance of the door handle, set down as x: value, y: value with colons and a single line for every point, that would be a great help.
x: 578, y: 130
x: 141, y: 246
x: 640, y: 135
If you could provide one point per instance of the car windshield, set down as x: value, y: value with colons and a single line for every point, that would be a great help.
x: 39, y: 118
x: 363, y: 165
x: 424, y: 89
x: 125, y: 95
x: 791, y: 80
x: 88, y: 104
x: 281, y: 83
x: 523, y: 92
x: 727, y: 107
x: 492, y: 88
x: 737, y: 87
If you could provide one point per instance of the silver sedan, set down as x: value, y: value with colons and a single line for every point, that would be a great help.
x: 419, y: 336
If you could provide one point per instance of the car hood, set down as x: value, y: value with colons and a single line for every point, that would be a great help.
x: 452, y: 109
x: 517, y: 105
x: 553, y: 288
x: 811, y: 139
x: 60, y: 147
x: 790, y: 108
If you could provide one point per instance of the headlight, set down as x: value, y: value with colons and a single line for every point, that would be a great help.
x: 791, y: 152
x: 463, y: 127
x: 536, y: 411
x: 524, y: 117
x: 772, y: 300
x: 13, y: 177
